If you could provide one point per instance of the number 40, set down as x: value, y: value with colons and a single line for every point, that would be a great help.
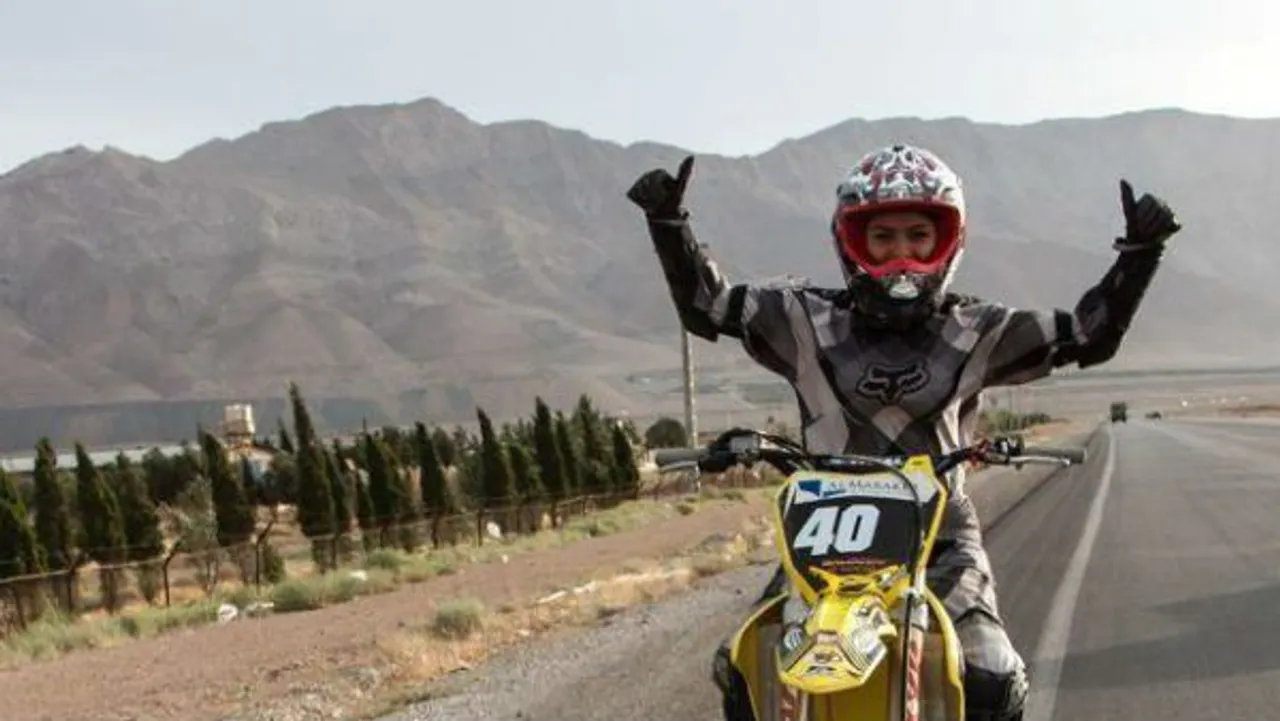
x: 848, y: 530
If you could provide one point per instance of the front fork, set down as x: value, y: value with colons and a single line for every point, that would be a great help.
x: 916, y: 627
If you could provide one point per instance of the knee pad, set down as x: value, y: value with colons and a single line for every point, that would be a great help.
x: 994, y: 697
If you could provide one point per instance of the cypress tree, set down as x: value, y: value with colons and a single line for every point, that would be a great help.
x: 550, y: 462
x: 443, y: 444
x: 341, y: 492
x: 102, y: 528
x: 383, y: 488
x: 280, y: 485
x: 463, y: 443
x: 527, y: 483
x: 367, y: 517
x: 315, y: 499
x: 285, y: 442
x: 437, y: 500
x: 8, y: 489
x: 596, y: 461
x: 408, y: 512
x: 140, y: 517
x: 626, y: 474
x: 253, y: 494
x: 338, y: 489
x: 141, y: 521
x: 54, y: 525
x: 231, y: 508
x: 20, y: 551
x: 54, y: 529
x: 495, y: 473
x: 569, y: 455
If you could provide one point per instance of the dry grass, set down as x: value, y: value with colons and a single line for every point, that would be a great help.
x: 54, y: 634
x: 381, y: 571
x: 459, y: 619
x: 461, y: 633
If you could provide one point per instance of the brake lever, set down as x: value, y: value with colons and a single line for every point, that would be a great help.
x: 1042, y: 460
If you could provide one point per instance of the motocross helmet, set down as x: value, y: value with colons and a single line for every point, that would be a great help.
x: 899, y: 291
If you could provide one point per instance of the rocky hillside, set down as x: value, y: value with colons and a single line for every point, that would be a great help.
x: 410, y: 256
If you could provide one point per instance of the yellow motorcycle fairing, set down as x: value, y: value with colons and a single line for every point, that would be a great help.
x: 844, y: 659
x: 842, y: 643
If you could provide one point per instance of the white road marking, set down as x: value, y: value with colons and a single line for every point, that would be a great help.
x: 1052, y: 648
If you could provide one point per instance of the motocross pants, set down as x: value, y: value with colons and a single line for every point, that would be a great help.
x: 995, y: 679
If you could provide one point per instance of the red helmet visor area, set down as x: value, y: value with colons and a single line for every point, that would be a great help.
x: 851, y: 232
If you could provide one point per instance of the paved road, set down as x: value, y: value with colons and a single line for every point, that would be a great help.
x: 1145, y: 584
x: 1179, y: 613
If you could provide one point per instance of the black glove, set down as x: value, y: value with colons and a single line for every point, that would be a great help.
x: 659, y: 195
x: 1148, y: 223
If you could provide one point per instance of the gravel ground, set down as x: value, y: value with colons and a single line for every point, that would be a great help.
x: 578, y: 676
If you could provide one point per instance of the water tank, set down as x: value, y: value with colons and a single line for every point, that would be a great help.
x: 237, y: 420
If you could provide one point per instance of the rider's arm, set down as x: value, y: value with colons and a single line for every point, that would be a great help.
x: 1030, y: 344
x: 709, y: 306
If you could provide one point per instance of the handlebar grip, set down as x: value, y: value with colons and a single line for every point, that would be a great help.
x: 1074, y: 455
x: 672, y: 456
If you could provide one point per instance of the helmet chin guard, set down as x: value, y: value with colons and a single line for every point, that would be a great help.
x: 903, y: 287
x: 908, y: 179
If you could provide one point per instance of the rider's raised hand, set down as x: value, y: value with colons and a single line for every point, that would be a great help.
x: 1149, y: 222
x: 658, y: 194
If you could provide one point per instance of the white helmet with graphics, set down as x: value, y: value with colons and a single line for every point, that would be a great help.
x: 908, y: 189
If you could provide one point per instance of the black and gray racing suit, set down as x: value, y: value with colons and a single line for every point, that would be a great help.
x: 867, y: 390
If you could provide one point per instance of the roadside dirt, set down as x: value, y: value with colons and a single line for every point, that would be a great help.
x: 206, y: 673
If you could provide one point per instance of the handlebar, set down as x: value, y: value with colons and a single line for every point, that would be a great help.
x: 678, y: 456
x: 744, y: 446
x: 1070, y: 455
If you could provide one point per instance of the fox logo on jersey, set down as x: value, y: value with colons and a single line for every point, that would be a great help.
x: 889, y: 384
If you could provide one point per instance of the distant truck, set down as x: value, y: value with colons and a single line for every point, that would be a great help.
x: 1119, y: 412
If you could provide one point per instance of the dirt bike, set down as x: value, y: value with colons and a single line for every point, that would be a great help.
x: 859, y: 635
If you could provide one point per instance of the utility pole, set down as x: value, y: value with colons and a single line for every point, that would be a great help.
x: 690, y: 420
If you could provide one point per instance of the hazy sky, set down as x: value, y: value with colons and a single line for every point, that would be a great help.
x: 157, y: 76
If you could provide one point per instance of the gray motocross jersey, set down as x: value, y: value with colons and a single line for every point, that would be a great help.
x: 863, y: 389
x: 874, y: 391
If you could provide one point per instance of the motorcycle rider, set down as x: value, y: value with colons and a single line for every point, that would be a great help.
x: 894, y: 363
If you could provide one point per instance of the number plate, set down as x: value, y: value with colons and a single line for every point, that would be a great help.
x: 852, y: 523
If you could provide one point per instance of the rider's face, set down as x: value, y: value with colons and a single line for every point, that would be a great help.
x: 901, y: 235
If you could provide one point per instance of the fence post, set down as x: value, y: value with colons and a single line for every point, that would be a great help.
x: 257, y: 552
x: 12, y: 587
x: 68, y: 583
x: 164, y: 570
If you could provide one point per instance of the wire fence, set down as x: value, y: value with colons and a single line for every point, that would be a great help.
x: 278, y: 550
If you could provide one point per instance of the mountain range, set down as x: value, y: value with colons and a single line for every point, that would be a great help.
x: 411, y: 263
